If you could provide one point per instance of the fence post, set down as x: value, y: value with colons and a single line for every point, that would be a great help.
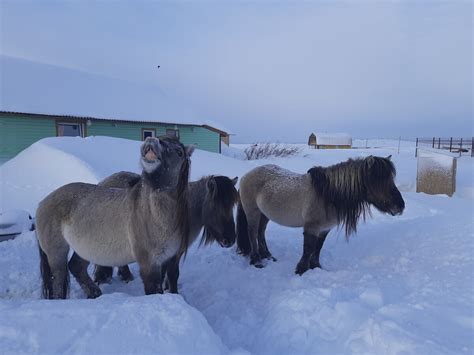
x: 416, y: 147
x: 450, y: 144
x: 439, y: 143
x: 460, y: 148
x: 433, y: 142
x: 472, y: 147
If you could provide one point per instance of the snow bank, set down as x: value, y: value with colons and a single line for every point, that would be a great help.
x: 112, y: 324
x: 15, y: 222
x: 402, y: 285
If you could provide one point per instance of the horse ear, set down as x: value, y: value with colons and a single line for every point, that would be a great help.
x: 370, y: 160
x: 189, y: 150
x: 389, y: 157
x: 212, y: 186
x: 234, y: 180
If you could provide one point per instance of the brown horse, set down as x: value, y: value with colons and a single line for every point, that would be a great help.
x: 211, y: 202
x: 147, y: 223
x: 317, y: 201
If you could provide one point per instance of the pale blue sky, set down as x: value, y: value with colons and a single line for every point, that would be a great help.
x: 272, y: 71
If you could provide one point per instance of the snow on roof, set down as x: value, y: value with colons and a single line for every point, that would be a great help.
x: 333, y: 139
x: 37, y: 88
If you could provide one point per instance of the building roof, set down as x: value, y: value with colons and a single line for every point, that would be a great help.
x: 36, y: 88
x: 333, y: 139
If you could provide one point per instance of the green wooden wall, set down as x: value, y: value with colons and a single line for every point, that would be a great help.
x: 18, y: 132
x: 203, y: 138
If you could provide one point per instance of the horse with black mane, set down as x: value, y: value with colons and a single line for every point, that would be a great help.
x: 147, y: 223
x: 317, y: 201
x: 211, y: 202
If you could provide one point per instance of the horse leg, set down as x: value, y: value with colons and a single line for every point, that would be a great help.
x: 310, y: 241
x: 151, y: 276
x: 255, y: 258
x: 103, y: 274
x: 53, y: 267
x: 172, y: 273
x: 60, y: 280
x: 253, y: 221
x: 314, y: 259
x: 125, y: 274
x: 164, y: 277
x: 262, y: 243
x: 78, y: 267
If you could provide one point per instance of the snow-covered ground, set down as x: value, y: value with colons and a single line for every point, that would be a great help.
x: 401, y: 285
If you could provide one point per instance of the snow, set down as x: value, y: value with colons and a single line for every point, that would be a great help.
x: 14, y: 222
x: 72, y: 92
x: 401, y: 285
x: 434, y: 160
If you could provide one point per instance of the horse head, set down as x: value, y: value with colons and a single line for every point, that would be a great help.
x: 217, y: 212
x: 165, y: 162
x: 380, y: 186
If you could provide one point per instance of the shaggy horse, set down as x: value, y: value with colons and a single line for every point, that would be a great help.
x: 317, y: 201
x: 211, y: 202
x: 147, y: 223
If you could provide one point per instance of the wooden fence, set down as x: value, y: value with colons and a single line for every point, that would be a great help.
x: 453, y: 145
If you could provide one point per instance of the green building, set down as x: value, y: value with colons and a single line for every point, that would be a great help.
x: 19, y: 130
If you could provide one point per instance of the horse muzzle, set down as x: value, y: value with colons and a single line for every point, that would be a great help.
x: 151, y: 149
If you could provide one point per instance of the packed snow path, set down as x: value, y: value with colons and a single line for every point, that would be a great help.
x: 401, y: 285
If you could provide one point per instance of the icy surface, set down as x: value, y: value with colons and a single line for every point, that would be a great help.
x: 402, y: 285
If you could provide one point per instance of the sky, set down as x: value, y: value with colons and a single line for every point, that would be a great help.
x: 271, y: 71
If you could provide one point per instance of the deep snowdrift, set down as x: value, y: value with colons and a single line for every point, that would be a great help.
x: 402, y: 285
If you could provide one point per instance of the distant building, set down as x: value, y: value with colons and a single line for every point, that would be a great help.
x: 330, y: 141
x: 19, y: 130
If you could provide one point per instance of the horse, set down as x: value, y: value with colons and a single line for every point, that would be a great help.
x: 317, y: 201
x: 211, y: 201
x: 147, y: 223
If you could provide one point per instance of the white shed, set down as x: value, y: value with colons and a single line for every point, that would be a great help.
x: 330, y: 140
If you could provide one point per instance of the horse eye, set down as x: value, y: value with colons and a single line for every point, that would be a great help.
x: 180, y: 152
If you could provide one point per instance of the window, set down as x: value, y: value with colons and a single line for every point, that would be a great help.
x: 148, y: 132
x: 69, y: 129
x: 172, y: 133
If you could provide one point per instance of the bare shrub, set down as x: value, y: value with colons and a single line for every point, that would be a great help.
x: 266, y: 150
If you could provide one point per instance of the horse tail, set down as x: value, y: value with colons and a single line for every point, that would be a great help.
x: 46, y: 274
x: 243, y: 240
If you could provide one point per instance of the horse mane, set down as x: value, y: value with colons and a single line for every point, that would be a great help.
x: 182, y: 214
x: 345, y: 187
x: 224, y: 198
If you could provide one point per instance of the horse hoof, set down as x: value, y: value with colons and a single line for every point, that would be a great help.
x: 300, y: 270
x: 94, y: 293
x: 126, y: 278
x: 315, y: 265
x: 272, y: 258
x: 258, y: 266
